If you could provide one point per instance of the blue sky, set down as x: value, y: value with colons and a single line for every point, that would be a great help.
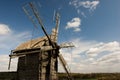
x: 92, y: 25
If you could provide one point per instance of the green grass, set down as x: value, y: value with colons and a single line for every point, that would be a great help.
x: 75, y: 76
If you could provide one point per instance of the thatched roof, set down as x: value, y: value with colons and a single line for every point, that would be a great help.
x: 35, y: 43
x: 39, y: 42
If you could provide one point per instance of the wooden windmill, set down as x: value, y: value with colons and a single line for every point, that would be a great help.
x: 38, y: 58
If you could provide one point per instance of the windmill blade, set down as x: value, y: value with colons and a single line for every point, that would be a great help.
x: 55, y: 30
x: 57, y: 20
x: 64, y: 64
x: 35, y: 12
x: 29, y: 16
x: 67, y: 45
x: 54, y: 15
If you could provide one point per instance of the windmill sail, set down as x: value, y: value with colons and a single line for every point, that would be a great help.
x: 54, y: 35
x: 66, y: 68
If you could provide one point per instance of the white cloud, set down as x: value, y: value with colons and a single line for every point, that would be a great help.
x: 91, y: 5
x: 85, y: 55
x: 4, y: 61
x: 75, y: 24
x: 86, y: 4
x: 4, y: 29
x: 9, y: 40
x: 104, y: 47
x: 109, y: 62
x: 74, y: 56
x: 12, y: 39
x: 110, y: 58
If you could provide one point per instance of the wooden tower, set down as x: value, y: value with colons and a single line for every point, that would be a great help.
x: 38, y: 58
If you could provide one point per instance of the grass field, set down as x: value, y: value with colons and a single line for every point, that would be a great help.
x: 92, y: 76
x: 75, y: 76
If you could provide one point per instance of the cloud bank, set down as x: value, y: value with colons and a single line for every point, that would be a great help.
x: 4, y: 61
x: 106, y: 57
x: 10, y: 39
x: 104, y: 47
x: 98, y: 56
